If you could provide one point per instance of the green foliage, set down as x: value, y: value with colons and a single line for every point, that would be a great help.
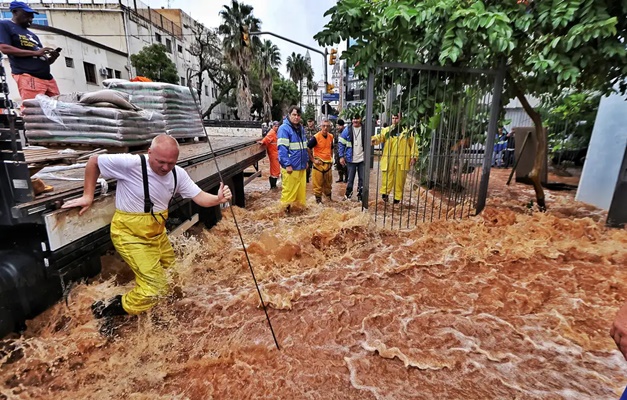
x: 153, y: 62
x: 548, y: 46
x: 284, y: 95
x: 309, y: 112
x: 570, y: 119
x: 347, y: 113
x: 299, y: 69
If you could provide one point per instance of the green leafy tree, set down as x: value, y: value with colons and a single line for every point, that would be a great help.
x: 299, y: 69
x: 548, y: 47
x: 268, y: 60
x: 284, y: 95
x: 153, y: 62
x: 309, y: 112
x: 570, y: 119
x: 236, y: 18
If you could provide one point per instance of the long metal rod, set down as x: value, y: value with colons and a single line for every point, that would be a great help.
x: 324, y: 54
x: 367, y: 131
x: 239, y: 232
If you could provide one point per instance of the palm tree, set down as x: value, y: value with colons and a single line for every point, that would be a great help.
x: 239, y: 55
x: 299, y: 69
x: 268, y: 59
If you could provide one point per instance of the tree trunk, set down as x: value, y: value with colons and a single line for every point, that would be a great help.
x: 538, y: 162
x: 267, y: 99
x: 244, y: 101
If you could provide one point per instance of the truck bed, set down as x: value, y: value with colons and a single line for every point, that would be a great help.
x: 70, y: 182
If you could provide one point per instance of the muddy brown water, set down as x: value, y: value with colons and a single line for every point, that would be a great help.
x: 510, y: 304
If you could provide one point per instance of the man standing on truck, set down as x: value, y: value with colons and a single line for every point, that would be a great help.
x: 30, y: 60
x: 143, y: 194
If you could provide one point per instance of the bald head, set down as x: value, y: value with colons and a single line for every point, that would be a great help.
x: 163, y: 154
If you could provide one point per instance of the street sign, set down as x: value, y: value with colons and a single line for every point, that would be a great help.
x: 330, y: 97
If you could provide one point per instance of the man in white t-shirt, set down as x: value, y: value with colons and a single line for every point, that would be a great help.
x: 138, y: 226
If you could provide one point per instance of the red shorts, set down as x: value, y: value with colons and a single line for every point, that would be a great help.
x: 29, y: 86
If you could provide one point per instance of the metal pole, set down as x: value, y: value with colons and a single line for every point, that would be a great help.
x: 489, y: 147
x: 368, y: 132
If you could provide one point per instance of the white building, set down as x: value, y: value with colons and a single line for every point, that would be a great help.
x: 98, y: 40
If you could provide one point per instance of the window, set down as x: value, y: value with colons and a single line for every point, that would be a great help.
x: 69, y: 62
x: 182, y: 81
x: 158, y: 37
x: 90, y: 73
x: 206, y: 90
x: 179, y: 48
x: 214, y: 91
x: 168, y: 45
x: 109, y: 73
x: 118, y: 74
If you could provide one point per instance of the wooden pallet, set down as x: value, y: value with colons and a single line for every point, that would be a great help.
x: 90, y: 147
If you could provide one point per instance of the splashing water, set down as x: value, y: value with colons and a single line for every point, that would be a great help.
x: 508, y: 304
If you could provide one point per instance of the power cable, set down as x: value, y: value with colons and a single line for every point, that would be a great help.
x: 239, y: 232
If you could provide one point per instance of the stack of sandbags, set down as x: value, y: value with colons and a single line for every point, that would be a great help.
x: 176, y: 104
x: 103, y: 118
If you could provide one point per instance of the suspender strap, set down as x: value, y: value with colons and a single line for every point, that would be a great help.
x: 174, y: 190
x: 148, y: 204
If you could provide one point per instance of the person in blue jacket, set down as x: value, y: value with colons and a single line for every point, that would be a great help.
x: 351, y: 145
x: 293, y: 158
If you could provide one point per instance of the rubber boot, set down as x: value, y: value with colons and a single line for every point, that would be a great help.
x: 111, y: 308
x: 273, y: 182
x: 341, y: 177
x: 318, y: 199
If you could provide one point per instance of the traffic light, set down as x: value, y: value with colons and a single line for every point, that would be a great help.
x: 245, y: 36
x: 332, y: 57
x: 330, y: 88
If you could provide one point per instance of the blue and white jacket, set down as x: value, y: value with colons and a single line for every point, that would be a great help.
x: 346, y: 141
x: 292, y: 143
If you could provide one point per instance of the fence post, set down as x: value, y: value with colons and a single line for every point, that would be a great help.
x: 492, y: 129
x: 368, y: 132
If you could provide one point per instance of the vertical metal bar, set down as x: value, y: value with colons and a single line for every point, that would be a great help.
x: 494, y: 118
x: 419, y: 142
x: 382, y: 73
x: 431, y: 143
x: 411, y: 138
x: 369, y: 131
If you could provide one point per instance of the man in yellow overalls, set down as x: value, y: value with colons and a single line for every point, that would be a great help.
x: 320, y: 149
x: 399, y: 154
x: 145, y: 186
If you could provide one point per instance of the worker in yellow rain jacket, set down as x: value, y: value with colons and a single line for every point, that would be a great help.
x: 145, y: 186
x: 320, y: 149
x: 400, y: 152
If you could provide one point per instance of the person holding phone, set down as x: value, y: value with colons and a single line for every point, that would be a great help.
x: 30, y: 60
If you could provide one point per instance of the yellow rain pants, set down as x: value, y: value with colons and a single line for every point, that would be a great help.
x: 294, y: 187
x: 393, y: 178
x: 322, y: 177
x: 142, y: 242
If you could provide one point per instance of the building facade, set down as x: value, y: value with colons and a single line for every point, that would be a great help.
x: 99, y: 39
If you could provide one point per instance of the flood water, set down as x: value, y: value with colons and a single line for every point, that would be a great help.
x: 510, y: 304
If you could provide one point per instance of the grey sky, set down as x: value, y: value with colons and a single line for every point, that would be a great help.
x: 298, y: 20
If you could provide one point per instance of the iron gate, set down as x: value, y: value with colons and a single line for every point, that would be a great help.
x: 434, y: 161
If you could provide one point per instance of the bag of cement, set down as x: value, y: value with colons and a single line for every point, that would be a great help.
x: 117, y: 99
x: 110, y: 81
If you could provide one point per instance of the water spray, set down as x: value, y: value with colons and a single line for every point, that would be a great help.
x: 252, y: 272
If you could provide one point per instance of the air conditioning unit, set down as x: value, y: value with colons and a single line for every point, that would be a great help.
x: 103, y: 72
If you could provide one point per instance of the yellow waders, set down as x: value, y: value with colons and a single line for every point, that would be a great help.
x: 141, y: 240
x: 294, y: 187
x: 393, y: 178
x: 322, y: 177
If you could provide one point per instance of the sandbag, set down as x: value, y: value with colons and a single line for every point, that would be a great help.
x: 119, y: 99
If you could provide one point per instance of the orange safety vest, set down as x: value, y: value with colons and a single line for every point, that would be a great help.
x: 322, y: 150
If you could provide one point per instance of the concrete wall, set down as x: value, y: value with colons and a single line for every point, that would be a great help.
x: 605, y: 153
